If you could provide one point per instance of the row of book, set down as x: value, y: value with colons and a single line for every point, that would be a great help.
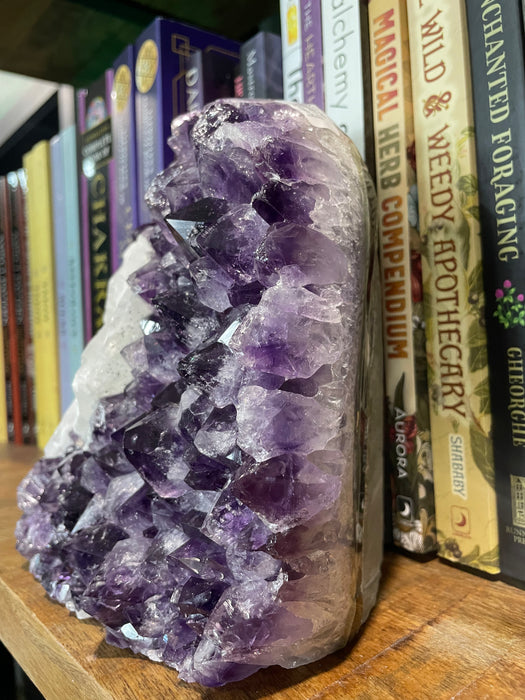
x: 447, y: 82
x: 83, y: 194
x: 397, y: 79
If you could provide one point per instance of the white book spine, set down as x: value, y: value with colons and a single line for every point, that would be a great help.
x: 343, y: 68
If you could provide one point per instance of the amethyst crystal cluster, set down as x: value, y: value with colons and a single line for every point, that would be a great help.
x: 213, y: 494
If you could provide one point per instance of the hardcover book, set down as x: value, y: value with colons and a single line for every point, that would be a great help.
x: 99, y: 243
x: 68, y: 266
x: 408, y: 444
x: 293, y: 88
x: 460, y: 415
x: 124, y: 145
x: 162, y: 53
x: 262, y: 66
x: 42, y: 280
x: 498, y: 74
x: 209, y: 77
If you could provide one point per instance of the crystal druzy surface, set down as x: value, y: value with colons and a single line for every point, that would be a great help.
x: 213, y: 494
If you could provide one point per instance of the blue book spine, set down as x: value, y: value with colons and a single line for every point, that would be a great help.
x: 74, y: 306
x: 161, y: 61
x: 124, y: 149
x: 59, y: 233
x: 68, y: 266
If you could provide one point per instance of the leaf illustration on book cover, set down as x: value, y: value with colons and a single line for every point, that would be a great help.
x: 482, y: 391
x: 466, y: 133
x: 481, y: 446
x: 468, y: 184
x: 490, y: 558
x: 471, y: 557
x: 463, y: 239
x: 399, y: 394
x: 477, y: 347
x: 474, y: 211
x: 475, y: 280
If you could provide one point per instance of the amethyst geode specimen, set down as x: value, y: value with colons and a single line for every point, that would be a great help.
x: 213, y: 494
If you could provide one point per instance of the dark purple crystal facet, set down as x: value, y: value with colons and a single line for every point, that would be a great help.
x: 201, y: 496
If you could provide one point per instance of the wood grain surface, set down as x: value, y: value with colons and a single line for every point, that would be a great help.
x: 436, y: 632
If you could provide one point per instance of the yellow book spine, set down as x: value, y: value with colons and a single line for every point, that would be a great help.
x: 453, y: 287
x: 42, y: 285
x: 409, y: 455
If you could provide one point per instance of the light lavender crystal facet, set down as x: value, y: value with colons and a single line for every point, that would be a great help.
x: 213, y: 494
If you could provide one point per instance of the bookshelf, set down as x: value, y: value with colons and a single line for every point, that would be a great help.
x: 436, y: 632
x: 73, y: 41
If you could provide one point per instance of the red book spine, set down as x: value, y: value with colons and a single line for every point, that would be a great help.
x: 12, y: 330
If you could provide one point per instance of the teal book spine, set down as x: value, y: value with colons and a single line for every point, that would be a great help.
x: 68, y: 264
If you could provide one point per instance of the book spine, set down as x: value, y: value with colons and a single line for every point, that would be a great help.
x: 42, y: 280
x: 99, y: 245
x: 124, y: 149
x: 312, y: 52
x: 343, y: 68
x: 209, y: 77
x: 18, y: 208
x: 74, y: 314
x: 194, y: 82
x: 408, y: 446
x: 498, y: 73
x: 162, y: 53
x: 8, y: 397
x: 14, y: 251
x: 261, y: 66
x: 67, y: 259
x: 59, y: 240
x: 460, y: 414
x: 292, y: 54
x: 14, y: 320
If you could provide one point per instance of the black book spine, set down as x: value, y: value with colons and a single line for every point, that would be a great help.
x: 498, y: 77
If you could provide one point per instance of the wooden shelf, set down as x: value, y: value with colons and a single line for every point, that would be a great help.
x: 436, y: 632
x: 74, y: 41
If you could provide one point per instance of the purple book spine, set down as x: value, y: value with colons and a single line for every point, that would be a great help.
x: 209, y: 77
x: 312, y: 48
x: 124, y: 150
x: 162, y: 53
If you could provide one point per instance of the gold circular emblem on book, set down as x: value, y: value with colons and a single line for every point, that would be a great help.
x: 146, y: 66
x: 121, y: 87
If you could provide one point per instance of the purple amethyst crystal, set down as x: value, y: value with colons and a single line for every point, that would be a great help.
x: 213, y: 494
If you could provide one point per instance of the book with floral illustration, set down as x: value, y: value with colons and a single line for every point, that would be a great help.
x: 460, y: 410
x: 498, y: 74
